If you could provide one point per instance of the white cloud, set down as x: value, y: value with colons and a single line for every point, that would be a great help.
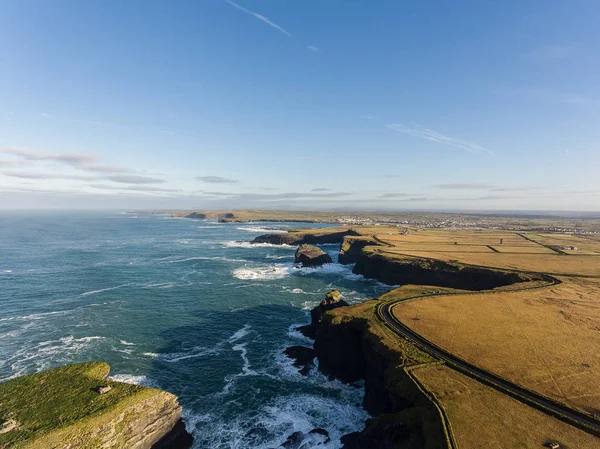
x: 259, y: 17
x: 434, y: 136
x: 313, y: 48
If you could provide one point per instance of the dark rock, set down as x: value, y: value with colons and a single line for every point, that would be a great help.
x: 351, y: 247
x: 421, y: 271
x: 403, y: 415
x: 300, y: 237
x: 306, y: 330
x: 196, y: 215
x: 294, y: 441
x: 322, y: 432
x: 226, y: 218
x: 383, y: 432
x: 332, y: 300
x: 177, y: 438
x: 303, y: 357
x: 311, y: 256
x: 350, y: 441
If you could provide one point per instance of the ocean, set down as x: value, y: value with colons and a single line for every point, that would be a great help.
x: 184, y: 305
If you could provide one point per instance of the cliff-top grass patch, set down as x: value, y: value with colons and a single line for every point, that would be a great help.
x: 42, y: 403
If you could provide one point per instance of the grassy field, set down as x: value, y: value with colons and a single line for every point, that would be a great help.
x: 546, y: 339
x: 481, y: 417
x: 549, y: 220
x: 62, y: 404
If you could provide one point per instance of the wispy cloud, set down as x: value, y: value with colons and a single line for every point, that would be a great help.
x: 464, y: 186
x: 134, y: 179
x: 33, y: 175
x: 320, y: 189
x: 394, y: 195
x: 259, y: 17
x: 84, y: 163
x: 514, y: 189
x: 216, y: 180
x: 136, y: 188
x: 434, y: 136
x: 105, y: 169
x: 313, y: 48
x: 74, y: 159
x: 276, y: 196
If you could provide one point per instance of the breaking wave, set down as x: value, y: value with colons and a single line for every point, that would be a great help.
x: 259, y: 230
x: 261, y: 273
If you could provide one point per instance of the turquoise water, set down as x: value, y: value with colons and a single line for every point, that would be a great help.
x: 181, y: 305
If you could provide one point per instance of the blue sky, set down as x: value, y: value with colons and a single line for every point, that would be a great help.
x: 313, y: 104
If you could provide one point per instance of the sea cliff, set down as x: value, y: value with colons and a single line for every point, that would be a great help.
x: 306, y: 236
x: 397, y: 269
x: 350, y: 346
x: 78, y: 406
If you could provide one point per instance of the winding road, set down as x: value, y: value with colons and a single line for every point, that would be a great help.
x: 547, y: 405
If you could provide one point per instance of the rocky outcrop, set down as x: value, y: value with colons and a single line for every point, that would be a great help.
x: 311, y: 256
x: 227, y: 217
x: 319, y: 237
x: 196, y: 216
x: 71, y: 407
x: 301, y: 440
x: 398, y: 269
x: 403, y: 417
x: 352, y: 246
x: 303, y: 358
x: 332, y: 300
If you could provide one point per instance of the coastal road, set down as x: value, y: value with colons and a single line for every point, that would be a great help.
x: 569, y: 415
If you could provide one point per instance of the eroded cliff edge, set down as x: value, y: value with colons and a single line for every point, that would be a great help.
x: 78, y: 406
x: 351, y: 345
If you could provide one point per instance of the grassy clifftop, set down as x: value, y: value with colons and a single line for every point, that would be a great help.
x: 64, y: 408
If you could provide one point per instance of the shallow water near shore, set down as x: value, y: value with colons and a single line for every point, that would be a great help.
x: 181, y: 305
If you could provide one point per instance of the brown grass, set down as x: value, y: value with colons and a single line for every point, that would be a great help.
x: 482, y: 417
x: 547, y: 340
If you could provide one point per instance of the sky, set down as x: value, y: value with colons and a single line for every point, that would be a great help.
x: 312, y: 104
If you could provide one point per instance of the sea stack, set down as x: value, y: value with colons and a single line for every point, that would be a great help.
x: 311, y: 256
x: 332, y: 300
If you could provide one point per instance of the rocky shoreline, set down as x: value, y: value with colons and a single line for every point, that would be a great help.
x: 348, y: 347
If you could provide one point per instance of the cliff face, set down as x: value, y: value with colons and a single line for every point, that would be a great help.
x: 152, y: 423
x: 420, y: 271
x: 311, y: 256
x: 196, y: 216
x: 300, y: 237
x: 351, y: 248
x: 404, y: 417
x: 78, y: 406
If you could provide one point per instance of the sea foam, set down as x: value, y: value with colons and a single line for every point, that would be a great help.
x: 261, y: 273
